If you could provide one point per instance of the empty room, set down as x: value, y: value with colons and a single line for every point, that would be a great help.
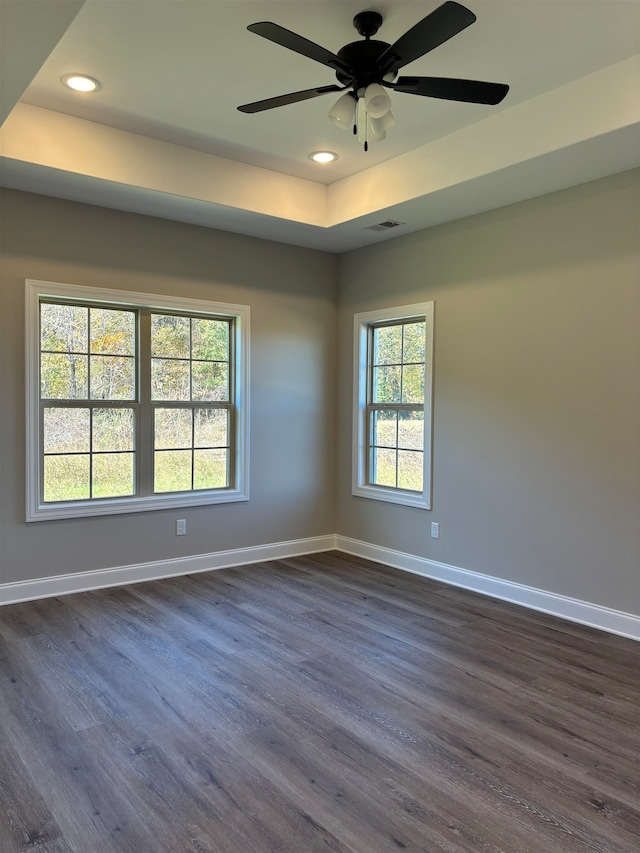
x: 320, y: 426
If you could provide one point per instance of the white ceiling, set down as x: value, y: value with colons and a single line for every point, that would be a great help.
x: 163, y: 135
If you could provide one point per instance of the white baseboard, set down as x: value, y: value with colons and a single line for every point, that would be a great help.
x: 12, y: 593
x: 572, y: 609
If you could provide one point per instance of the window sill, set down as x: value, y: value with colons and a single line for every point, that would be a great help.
x: 118, y: 506
x: 394, y: 496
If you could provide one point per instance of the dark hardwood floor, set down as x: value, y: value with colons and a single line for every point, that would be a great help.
x: 318, y: 703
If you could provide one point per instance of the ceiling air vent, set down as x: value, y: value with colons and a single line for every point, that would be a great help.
x: 384, y: 226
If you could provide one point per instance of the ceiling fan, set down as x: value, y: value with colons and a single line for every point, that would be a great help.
x: 366, y: 68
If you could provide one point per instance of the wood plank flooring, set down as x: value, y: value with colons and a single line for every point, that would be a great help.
x: 323, y: 703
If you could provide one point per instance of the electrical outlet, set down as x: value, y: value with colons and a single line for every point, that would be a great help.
x: 435, y: 529
x: 181, y: 527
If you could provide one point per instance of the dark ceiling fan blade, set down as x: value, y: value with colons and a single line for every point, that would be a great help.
x: 291, y: 98
x: 442, y: 24
x: 451, y: 89
x: 298, y: 44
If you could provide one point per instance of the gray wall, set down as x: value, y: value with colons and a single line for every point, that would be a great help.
x: 292, y: 294
x: 537, y: 385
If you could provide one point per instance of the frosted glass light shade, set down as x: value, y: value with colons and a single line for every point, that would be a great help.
x: 381, y: 125
x: 374, y: 135
x: 377, y: 100
x: 342, y: 112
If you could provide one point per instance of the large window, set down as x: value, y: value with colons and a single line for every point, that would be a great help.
x: 134, y: 401
x: 392, y: 416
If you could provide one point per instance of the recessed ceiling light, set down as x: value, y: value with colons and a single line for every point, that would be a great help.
x: 80, y: 82
x: 323, y: 156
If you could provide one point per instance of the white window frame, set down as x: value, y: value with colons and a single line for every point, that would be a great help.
x: 36, y: 509
x: 362, y: 324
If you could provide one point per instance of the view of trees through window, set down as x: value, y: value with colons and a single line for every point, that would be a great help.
x: 87, y: 354
x: 190, y: 364
x: 98, y: 368
x: 396, y: 405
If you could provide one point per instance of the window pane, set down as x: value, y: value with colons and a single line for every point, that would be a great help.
x: 413, y: 383
x: 170, y: 380
x: 386, y: 384
x: 66, y: 478
x: 387, y: 345
x: 210, y: 469
x: 210, y: 339
x: 413, y: 344
x: 173, y: 428
x: 63, y: 377
x: 112, y: 377
x: 172, y: 470
x: 63, y: 328
x: 112, y: 331
x: 385, y: 429
x: 383, y: 468
x: 170, y: 336
x: 411, y: 430
x: 211, y: 428
x: 112, y: 429
x: 210, y: 381
x: 66, y: 430
x: 112, y: 475
x: 410, y: 470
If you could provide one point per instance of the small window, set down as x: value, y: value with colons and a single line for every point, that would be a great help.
x: 135, y: 402
x: 392, y: 417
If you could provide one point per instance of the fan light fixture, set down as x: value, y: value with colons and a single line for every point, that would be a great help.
x: 323, y: 156
x: 80, y: 82
x: 367, y: 111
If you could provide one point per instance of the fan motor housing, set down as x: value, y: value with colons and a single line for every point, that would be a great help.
x: 362, y: 57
